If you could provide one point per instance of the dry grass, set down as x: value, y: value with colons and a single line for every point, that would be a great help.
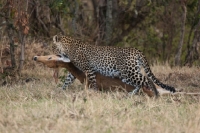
x: 35, y: 104
x: 40, y: 106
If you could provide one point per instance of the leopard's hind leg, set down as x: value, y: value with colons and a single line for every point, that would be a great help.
x: 138, y: 80
x: 91, y: 77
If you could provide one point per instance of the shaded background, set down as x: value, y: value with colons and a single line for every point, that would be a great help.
x: 165, y: 30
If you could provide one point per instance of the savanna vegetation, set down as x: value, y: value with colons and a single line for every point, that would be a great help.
x: 167, y: 31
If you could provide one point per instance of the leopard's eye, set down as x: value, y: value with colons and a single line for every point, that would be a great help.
x: 49, y: 58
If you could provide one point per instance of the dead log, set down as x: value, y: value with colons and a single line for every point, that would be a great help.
x: 103, y: 82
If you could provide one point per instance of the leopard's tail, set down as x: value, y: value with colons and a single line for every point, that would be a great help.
x: 153, y: 78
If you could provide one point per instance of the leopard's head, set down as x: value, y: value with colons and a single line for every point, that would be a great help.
x: 58, y: 44
x: 62, y: 43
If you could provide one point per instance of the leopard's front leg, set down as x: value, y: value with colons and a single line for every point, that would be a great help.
x: 81, y: 61
x: 68, y: 80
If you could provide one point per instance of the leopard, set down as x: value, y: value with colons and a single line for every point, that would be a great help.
x: 124, y: 63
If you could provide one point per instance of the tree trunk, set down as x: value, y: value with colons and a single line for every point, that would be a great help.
x: 12, y: 46
x: 22, y: 26
x: 74, y: 25
x: 108, y: 34
x: 37, y: 8
x: 22, y: 41
x: 100, y: 21
x: 178, y: 55
x: 10, y: 32
x: 193, y: 51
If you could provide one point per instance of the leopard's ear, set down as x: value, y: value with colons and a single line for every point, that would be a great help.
x: 55, y: 38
